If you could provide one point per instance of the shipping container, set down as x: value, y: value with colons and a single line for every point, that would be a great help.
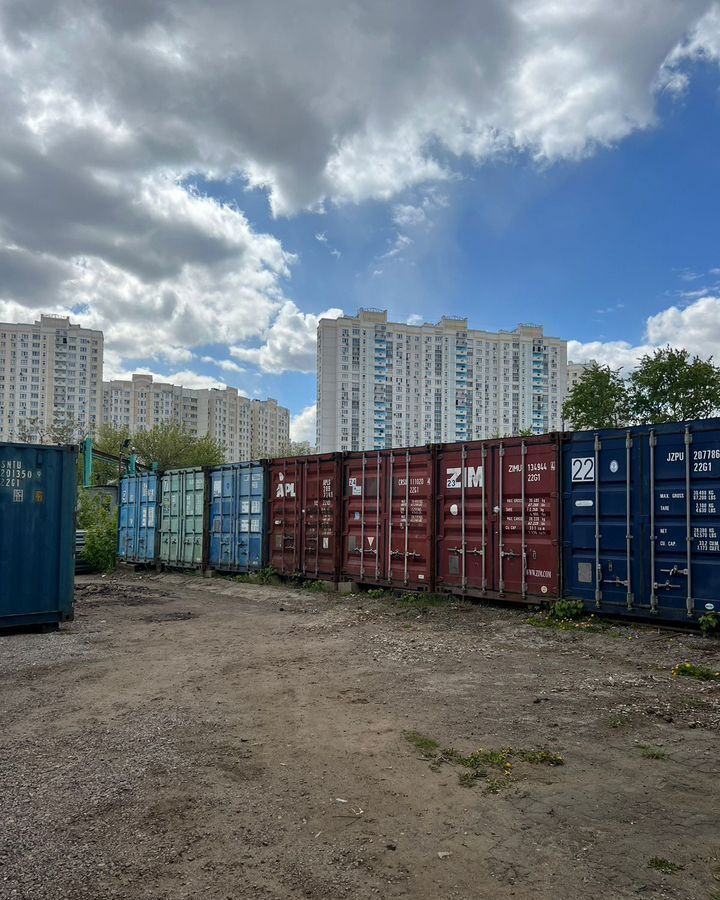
x: 138, y: 519
x: 38, y: 488
x: 498, y: 518
x: 237, y: 517
x: 642, y: 520
x: 304, y: 516
x: 182, y: 518
x: 387, y: 517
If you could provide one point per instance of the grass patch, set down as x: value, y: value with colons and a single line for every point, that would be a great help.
x: 584, y: 625
x: 425, y: 745
x: 663, y: 865
x: 479, y: 764
x: 567, y: 610
x: 377, y: 593
x: 690, y: 670
x: 425, y: 601
x: 652, y: 752
x: 315, y: 586
x: 619, y: 722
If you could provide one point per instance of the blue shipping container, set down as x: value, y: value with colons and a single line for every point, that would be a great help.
x: 641, y: 520
x: 237, y: 517
x: 137, y: 532
x: 38, y: 488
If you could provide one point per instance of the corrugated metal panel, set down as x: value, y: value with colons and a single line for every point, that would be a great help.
x: 304, y: 516
x: 642, y: 520
x: 237, y: 517
x: 182, y: 520
x: 37, y: 526
x: 138, y: 518
x: 499, y: 518
x: 388, y: 520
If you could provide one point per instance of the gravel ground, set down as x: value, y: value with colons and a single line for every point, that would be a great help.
x: 189, y: 738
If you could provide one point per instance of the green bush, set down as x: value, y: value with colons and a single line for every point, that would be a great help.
x: 100, y: 524
x: 708, y: 623
x: 567, y: 609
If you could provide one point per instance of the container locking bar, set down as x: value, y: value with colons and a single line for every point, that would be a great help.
x: 652, y: 441
x: 688, y: 523
x: 628, y: 528
x: 598, y: 566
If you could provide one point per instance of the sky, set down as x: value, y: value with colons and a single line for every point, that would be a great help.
x: 203, y: 179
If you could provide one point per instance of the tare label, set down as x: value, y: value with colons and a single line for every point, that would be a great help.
x: 470, y: 476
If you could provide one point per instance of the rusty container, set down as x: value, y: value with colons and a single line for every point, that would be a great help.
x: 387, y: 517
x: 498, y: 518
x: 304, y: 516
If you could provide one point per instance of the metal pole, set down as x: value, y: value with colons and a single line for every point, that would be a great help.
x: 377, y: 516
x: 390, y: 517
x: 484, y: 500
x: 407, y: 512
x: 362, y: 519
x: 463, y: 542
x: 523, y: 452
x: 501, y: 548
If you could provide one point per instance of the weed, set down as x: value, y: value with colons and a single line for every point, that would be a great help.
x: 315, y: 586
x: 424, y: 601
x: 540, y: 757
x: 376, y: 593
x: 652, y: 752
x: 244, y: 578
x: 619, y: 721
x: 427, y: 746
x: 470, y: 779
x: 664, y: 865
x: 690, y: 670
x: 566, y: 610
x: 709, y: 623
x: 265, y: 575
x: 495, y: 785
x: 548, y: 621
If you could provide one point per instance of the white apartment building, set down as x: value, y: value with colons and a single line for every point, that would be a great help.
x: 575, y: 372
x: 50, y: 375
x: 246, y: 428
x: 388, y: 384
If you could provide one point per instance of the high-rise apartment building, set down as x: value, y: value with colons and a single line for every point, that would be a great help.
x: 388, y: 384
x: 575, y: 372
x: 246, y: 428
x: 50, y: 376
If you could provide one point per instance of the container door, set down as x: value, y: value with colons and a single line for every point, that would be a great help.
x: 193, y: 489
x: 253, y: 487
x: 145, y: 489
x: 526, y: 520
x: 170, y: 522
x: 463, y: 517
x: 363, y: 486
x: 601, y: 520
x: 320, y: 520
x: 682, y: 548
x: 410, y: 532
x: 222, y: 518
x: 286, y: 488
x: 125, y: 520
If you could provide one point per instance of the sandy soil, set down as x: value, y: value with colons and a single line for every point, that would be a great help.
x: 193, y: 738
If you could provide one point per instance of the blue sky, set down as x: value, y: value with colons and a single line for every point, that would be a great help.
x: 202, y: 188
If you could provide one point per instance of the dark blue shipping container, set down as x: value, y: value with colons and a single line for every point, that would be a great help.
x: 38, y: 488
x: 641, y: 520
x: 237, y: 517
x: 138, y: 521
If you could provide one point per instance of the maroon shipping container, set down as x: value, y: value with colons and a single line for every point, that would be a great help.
x: 304, y: 516
x: 387, y: 515
x: 498, y: 515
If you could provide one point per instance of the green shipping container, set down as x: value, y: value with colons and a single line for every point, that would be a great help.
x: 182, y: 518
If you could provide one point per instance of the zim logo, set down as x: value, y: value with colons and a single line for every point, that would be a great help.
x: 473, y: 477
x: 284, y: 489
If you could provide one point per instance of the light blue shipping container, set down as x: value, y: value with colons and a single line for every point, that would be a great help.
x: 641, y: 509
x: 237, y: 517
x: 138, y: 519
x: 38, y: 487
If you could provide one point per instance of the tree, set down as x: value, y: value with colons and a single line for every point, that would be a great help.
x: 299, y: 448
x: 172, y: 447
x: 600, y: 399
x: 672, y: 386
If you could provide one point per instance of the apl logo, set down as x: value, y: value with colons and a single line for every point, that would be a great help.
x: 473, y: 477
x: 284, y: 488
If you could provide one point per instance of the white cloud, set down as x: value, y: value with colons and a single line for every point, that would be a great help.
x: 415, y: 319
x: 302, y: 426
x: 322, y: 237
x: 227, y: 365
x: 183, y: 378
x: 406, y: 216
x: 289, y: 343
x: 402, y: 242
x: 696, y: 328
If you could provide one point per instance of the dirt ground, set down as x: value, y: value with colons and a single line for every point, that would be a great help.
x: 193, y: 738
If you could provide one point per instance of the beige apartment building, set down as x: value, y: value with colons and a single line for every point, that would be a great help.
x: 246, y: 428
x: 50, y: 376
x: 389, y: 384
